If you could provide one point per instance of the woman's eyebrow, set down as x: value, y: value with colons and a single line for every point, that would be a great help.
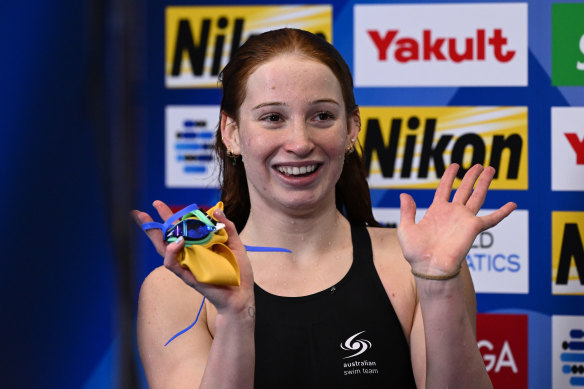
x: 268, y: 104
x: 282, y: 104
x: 320, y: 101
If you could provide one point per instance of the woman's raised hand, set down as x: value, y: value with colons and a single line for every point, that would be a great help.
x: 154, y: 234
x: 438, y: 244
x: 225, y: 298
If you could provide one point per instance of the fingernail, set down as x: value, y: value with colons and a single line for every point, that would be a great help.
x: 219, y: 212
x: 179, y: 240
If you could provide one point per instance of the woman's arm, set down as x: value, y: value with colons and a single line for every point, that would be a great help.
x: 443, y: 336
x: 169, y: 300
x: 195, y: 359
x: 443, y: 339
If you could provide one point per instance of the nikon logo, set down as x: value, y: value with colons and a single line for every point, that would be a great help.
x: 185, y: 44
x: 568, y: 252
x: 201, y: 40
x: 411, y: 147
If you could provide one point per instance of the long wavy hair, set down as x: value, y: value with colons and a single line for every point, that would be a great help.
x: 351, y: 190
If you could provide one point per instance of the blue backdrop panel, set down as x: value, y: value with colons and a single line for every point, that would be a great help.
x: 57, y: 279
x: 539, y: 200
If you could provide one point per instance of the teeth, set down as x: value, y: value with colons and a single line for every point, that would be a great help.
x: 295, y: 170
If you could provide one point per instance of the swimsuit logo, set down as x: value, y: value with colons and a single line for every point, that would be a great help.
x: 358, y: 345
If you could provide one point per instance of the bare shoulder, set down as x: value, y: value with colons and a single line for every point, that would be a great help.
x: 166, y: 306
x: 395, y: 274
x: 162, y: 292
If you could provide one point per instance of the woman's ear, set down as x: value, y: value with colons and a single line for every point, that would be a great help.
x: 354, y: 127
x: 230, y: 133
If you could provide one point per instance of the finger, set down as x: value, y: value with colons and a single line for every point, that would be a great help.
x: 480, y: 193
x: 173, y: 250
x: 466, y: 186
x: 154, y: 234
x: 445, y: 186
x: 494, y: 218
x: 171, y: 261
x: 407, y: 210
x: 163, y: 210
x: 234, y: 242
x: 236, y: 245
x: 140, y: 217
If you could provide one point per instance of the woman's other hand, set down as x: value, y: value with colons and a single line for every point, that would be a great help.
x: 227, y: 299
x: 440, y: 241
x: 154, y: 234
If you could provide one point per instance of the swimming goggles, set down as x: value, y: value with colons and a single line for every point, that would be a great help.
x: 196, y: 228
x: 194, y: 225
x: 194, y: 231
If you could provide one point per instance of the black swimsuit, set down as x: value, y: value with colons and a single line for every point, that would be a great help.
x: 347, y: 336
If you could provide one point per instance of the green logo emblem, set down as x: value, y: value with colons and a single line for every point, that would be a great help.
x: 568, y: 44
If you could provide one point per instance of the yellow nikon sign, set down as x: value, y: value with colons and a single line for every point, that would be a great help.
x: 410, y: 147
x: 568, y: 253
x: 201, y: 40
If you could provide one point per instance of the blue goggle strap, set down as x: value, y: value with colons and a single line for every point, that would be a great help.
x: 193, y: 208
x: 265, y: 249
x: 202, y: 216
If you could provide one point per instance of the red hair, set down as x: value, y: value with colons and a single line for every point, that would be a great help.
x: 352, y: 190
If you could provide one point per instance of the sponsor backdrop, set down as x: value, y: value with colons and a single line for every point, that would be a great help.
x: 505, y: 88
x: 494, y: 82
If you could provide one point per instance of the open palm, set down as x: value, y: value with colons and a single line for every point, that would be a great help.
x: 440, y: 241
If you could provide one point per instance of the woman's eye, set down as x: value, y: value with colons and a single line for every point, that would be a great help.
x: 324, y: 116
x: 272, y: 117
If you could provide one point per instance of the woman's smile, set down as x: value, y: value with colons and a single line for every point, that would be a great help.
x: 297, y: 171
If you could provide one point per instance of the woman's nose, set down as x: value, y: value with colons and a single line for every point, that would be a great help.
x: 299, y: 139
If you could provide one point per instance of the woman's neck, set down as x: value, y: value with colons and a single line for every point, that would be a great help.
x: 296, y: 231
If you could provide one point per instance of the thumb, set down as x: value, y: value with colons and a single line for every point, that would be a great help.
x: 173, y: 252
x: 233, y: 241
x: 407, y: 210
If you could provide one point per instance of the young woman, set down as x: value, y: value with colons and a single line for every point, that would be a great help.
x: 353, y: 305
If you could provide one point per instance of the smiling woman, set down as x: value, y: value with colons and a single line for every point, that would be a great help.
x: 292, y: 120
x: 352, y: 191
x: 350, y: 304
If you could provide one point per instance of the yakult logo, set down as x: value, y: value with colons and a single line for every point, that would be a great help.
x: 567, y: 148
x: 426, y: 45
x: 432, y: 48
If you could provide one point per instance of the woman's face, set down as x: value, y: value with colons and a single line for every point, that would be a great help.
x: 292, y: 133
